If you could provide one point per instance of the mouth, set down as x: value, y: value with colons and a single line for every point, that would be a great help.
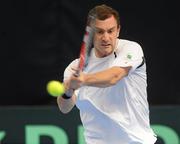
x: 105, y: 45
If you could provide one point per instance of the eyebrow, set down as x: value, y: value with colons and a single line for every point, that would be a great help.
x: 97, y: 28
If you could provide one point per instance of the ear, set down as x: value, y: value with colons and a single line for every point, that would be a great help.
x: 119, y: 29
x: 117, y: 35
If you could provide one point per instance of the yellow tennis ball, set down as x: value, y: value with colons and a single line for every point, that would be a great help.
x: 55, y: 88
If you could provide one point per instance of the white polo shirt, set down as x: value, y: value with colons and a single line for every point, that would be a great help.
x: 118, y: 114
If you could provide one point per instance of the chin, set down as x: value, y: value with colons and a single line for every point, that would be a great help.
x: 107, y: 53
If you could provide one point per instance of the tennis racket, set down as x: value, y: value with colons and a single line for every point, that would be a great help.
x: 85, y: 49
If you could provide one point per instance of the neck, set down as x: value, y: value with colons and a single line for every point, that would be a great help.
x: 101, y: 55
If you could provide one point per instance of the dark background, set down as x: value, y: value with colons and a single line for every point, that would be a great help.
x: 40, y: 37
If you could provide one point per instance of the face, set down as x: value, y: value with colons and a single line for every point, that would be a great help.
x: 106, y: 33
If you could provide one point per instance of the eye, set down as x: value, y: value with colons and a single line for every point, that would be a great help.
x: 110, y: 31
x: 100, y: 31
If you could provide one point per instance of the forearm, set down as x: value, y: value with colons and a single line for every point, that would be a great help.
x: 105, y: 78
x: 65, y: 105
x: 67, y: 101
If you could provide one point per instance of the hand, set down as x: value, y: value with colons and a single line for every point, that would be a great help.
x: 74, y: 82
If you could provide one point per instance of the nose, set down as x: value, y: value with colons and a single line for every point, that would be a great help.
x: 105, y: 36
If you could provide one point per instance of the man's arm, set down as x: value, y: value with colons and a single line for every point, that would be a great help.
x: 66, y: 103
x: 104, y: 78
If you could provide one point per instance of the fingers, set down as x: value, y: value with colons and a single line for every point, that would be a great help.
x: 76, y: 72
x: 74, y: 69
x: 75, y: 81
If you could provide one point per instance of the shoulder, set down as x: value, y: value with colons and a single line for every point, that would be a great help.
x: 72, y: 64
x: 128, y: 46
x: 70, y: 68
x: 122, y: 43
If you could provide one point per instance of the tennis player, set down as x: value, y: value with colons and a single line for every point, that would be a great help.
x: 111, y: 91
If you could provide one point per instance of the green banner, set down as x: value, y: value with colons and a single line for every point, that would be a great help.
x: 47, y: 125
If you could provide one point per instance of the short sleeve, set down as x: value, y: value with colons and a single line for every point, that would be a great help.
x: 130, y: 54
x: 69, y: 69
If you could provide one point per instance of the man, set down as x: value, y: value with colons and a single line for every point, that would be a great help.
x: 111, y: 92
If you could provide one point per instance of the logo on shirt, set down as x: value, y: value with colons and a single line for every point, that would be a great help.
x: 129, y: 56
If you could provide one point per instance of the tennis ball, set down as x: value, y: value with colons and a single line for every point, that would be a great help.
x: 55, y: 88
